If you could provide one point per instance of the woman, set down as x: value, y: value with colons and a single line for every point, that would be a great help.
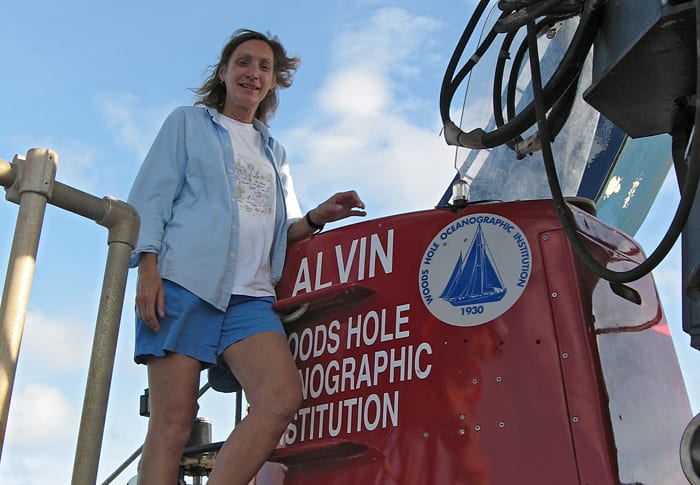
x: 217, y: 211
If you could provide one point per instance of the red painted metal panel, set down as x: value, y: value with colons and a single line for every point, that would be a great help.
x: 578, y: 357
x: 444, y: 347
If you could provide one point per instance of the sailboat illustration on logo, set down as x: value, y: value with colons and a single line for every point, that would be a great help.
x: 474, y: 279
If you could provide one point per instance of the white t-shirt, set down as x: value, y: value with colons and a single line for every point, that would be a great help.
x: 255, y: 194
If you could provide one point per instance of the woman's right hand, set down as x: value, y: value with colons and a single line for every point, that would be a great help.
x: 150, y: 297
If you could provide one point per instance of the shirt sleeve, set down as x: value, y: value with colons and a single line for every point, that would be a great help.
x: 291, y: 201
x: 158, y: 184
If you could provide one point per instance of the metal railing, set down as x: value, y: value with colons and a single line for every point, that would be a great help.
x: 30, y: 182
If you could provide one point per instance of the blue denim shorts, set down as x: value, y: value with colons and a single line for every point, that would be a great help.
x: 194, y: 328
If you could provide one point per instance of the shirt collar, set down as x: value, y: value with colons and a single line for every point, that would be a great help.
x: 256, y: 123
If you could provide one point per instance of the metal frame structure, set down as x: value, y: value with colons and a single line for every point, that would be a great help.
x: 30, y: 182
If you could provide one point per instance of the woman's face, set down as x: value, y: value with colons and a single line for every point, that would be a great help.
x: 248, y: 75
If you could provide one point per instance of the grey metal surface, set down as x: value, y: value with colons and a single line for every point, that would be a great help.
x: 644, y: 65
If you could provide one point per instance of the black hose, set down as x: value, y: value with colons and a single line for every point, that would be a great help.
x: 561, y: 110
x: 564, y: 213
x: 565, y: 75
x: 679, y: 147
x: 454, y: 60
x: 498, y: 87
x: 467, y: 68
x: 513, y: 21
x: 558, y: 95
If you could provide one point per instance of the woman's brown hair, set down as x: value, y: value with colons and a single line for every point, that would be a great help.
x: 213, y: 92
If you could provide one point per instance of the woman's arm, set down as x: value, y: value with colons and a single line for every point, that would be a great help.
x: 150, y: 298
x: 337, y: 207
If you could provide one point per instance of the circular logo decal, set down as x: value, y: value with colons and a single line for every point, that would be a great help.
x: 474, y: 269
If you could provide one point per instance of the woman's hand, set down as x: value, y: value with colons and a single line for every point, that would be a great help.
x: 150, y: 297
x: 337, y: 207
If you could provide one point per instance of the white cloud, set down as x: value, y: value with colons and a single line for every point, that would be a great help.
x: 34, y: 467
x: 40, y: 416
x: 396, y: 166
x: 355, y: 92
x: 391, y: 36
x: 133, y: 124
x: 379, y: 61
x: 361, y: 136
x: 57, y: 344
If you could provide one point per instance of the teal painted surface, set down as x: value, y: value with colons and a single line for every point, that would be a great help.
x: 634, y: 182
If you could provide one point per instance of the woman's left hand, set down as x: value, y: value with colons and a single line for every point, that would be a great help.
x: 337, y: 207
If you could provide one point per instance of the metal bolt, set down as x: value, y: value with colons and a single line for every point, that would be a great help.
x: 545, y: 237
x: 575, y: 419
x: 426, y: 434
x: 501, y: 424
x: 499, y: 379
x: 477, y: 428
x: 461, y: 432
x: 461, y: 417
x: 555, y: 294
x: 565, y: 355
x: 475, y: 381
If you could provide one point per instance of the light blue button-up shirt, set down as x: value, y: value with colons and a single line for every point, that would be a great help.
x: 185, y: 194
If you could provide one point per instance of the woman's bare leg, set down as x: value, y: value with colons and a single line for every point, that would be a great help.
x: 264, y: 366
x: 173, y: 384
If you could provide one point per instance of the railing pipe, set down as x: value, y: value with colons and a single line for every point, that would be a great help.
x: 31, y: 191
x: 31, y: 184
x: 7, y: 173
x: 122, y: 221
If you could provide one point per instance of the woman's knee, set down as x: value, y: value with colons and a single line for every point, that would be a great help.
x: 290, y: 402
x: 174, y: 422
x: 282, y: 402
x: 293, y: 399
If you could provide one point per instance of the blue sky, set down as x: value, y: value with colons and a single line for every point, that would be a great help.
x: 93, y: 81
